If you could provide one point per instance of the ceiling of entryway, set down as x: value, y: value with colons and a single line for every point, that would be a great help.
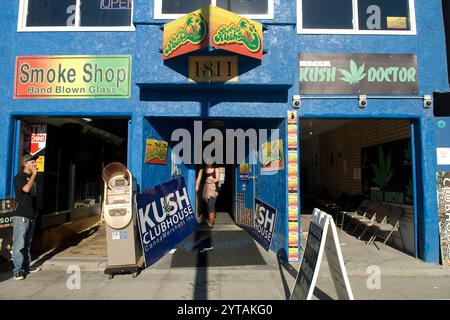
x: 310, y: 128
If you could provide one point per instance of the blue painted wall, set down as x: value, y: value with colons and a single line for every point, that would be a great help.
x: 271, y: 188
x: 264, y: 91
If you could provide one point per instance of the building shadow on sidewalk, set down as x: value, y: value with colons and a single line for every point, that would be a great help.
x: 283, y: 262
x: 66, y: 244
x: 6, y: 268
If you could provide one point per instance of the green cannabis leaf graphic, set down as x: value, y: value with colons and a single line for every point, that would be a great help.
x: 355, y: 75
x: 166, y: 206
x: 383, y: 172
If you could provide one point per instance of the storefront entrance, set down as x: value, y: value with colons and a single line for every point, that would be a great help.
x: 346, y: 161
x: 72, y: 154
x: 241, y: 184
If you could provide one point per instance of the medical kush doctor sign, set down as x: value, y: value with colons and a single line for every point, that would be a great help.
x: 72, y: 77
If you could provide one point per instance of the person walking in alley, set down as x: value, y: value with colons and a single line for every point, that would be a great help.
x: 209, y: 194
x: 24, y: 217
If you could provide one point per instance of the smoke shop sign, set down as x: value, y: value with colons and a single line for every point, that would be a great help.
x: 72, y: 77
x: 324, y: 73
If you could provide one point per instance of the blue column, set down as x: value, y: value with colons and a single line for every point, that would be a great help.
x: 6, y: 152
x: 135, y: 147
x: 428, y: 224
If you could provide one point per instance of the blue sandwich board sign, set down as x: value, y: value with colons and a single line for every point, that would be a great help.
x: 263, y: 224
x: 165, y: 218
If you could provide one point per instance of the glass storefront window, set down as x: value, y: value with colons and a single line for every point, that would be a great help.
x: 171, y: 9
x: 105, y: 13
x: 50, y: 12
x: 338, y: 14
x: 182, y: 6
x: 73, y: 15
x: 356, y: 16
x: 245, y: 7
x: 383, y: 15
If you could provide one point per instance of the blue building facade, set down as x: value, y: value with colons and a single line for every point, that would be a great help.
x: 162, y: 99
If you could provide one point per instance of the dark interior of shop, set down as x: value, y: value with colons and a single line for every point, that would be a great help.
x: 77, y: 149
x: 225, y: 188
x: 345, y: 162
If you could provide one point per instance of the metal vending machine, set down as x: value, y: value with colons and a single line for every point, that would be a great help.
x: 123, y: 246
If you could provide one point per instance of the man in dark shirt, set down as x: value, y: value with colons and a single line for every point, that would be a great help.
x: 24, y: 217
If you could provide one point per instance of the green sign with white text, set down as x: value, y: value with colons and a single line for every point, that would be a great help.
x: 329, y: 73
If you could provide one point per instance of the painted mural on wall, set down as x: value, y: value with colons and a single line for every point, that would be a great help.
x: 212, y: 27
x: 443, y: 194
x: 72, y: 77
x: 329, y: 73
x: 156, y: 151
x: 386, y: 172
x: 272, y: 157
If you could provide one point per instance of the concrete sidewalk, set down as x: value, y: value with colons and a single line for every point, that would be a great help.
x: 402, y: 277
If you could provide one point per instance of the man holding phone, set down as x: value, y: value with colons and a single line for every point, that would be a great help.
x: 25, y: 217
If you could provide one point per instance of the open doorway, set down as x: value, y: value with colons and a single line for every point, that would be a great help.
x: 226, y: 189
x: 227, y: 243
x: 346, y: 161
x: 72, y: 154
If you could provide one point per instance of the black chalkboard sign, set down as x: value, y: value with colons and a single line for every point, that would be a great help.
x: 311, y: 256
x: 322, y: 237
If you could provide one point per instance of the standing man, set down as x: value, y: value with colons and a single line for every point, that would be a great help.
x: 25, y: 216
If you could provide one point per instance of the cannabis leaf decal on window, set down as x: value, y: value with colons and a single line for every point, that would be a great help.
x: 383, y: 172
x: 355, y: 75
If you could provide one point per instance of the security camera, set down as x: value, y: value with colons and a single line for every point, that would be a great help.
x: 427, y: 101
x: 296, y: 101
x: 362, y: 101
